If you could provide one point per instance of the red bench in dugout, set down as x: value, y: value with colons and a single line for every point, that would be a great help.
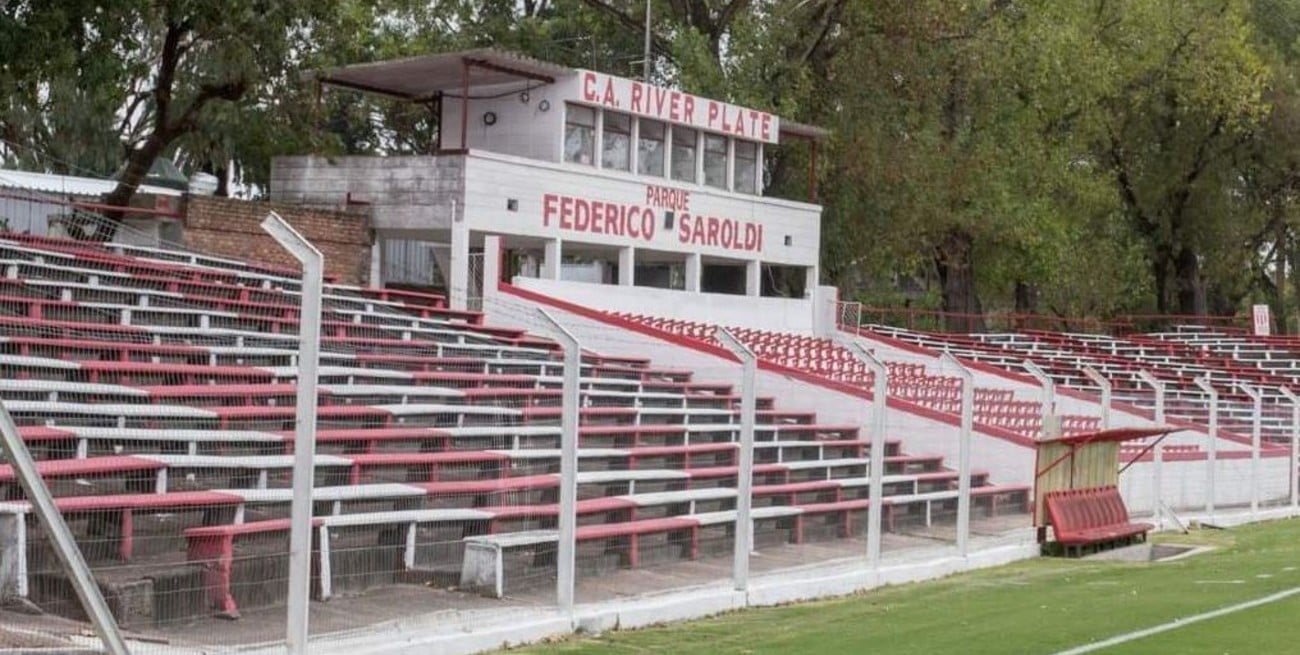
x: 1096, y: 515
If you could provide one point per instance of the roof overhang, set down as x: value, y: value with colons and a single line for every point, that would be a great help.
x: 423, y: 77
x: 1111, y: 435
x: 804, y: 131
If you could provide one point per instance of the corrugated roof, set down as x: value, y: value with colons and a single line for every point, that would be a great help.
x: 68, y: 185
x: 422, y: 77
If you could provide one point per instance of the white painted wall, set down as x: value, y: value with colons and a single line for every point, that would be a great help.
x: 492, y: 179
x: 785, y: 314
x: 1184, y: 484
x: 522, y: 128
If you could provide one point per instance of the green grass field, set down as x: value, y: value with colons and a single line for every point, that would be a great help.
x: 1039, y: 606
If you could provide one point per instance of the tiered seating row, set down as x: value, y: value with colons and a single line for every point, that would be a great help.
x: 157, y: 391
x: 908, y: 381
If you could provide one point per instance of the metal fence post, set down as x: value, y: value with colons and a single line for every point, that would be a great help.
x: 1212, y: 452
x: 1106, y: 387
x: 304, y: 443
x: 65, y: 546
x: 744, y: 541
x: 1256, y: 428
x: 1293, y: 469
x: 567, y: 548
x: 876, y: 482
x: 963, y: 452
x: 1158, y: 452
x: 1049, y: 395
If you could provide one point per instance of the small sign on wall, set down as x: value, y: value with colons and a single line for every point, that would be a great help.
x: 1263, y: 321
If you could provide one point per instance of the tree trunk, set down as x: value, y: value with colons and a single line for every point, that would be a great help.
x: 1279, y: 280
x: 1026, y: 300
x: 137, y: 169
x: 1188, y: 284
x: 956, y: 268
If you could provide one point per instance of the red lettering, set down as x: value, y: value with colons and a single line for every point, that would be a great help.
x: 549, y: 201
x: 697, y: 233
x: 713, y: 231
x: 566, y: 213
x: 633, y: 230
x: 613, y: 219
x: 589, y: 87
x: 637, y: 90
x: 713, y: 114
x: 767, y: 127
x: 597, y: 217
x: 683, y: 232
x: 688, y: 108
x: 581, y: 215
x: 726, y: 127
x: 609, y: 94
x: 675, y: 106
x: 739, y: 127
x: 648, y: 224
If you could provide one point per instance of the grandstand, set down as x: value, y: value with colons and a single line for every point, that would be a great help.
x: 155, y: 387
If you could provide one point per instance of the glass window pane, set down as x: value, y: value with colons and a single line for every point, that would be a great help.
x: 617, y: 146
x: 746, y: 167
x: 684, y: 154
x: 650, y: 149
x: 579, y: 134
x: 715, y: 161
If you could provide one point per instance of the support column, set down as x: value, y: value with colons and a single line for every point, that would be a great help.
x: 810, y: 282
x: 458, y: 285
x: 491, y: 266
x: 376, y: 277
x: 626, y: 266
x: 753, y: 286
x: 693, y: 270
x: 744, y: 529
x: 551, y: 260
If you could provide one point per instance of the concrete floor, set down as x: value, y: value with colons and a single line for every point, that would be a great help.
x: 377, y: 606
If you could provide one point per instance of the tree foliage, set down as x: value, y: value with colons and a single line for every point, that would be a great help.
x: 1080, y: 158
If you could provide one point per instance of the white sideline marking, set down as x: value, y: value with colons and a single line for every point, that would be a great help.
x: 1180, y: 623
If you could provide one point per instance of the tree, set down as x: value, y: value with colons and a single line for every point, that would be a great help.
x: 1186, y: 89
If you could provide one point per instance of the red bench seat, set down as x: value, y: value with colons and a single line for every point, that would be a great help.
x: 1091, y: 516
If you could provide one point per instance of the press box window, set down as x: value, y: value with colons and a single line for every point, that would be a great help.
x: 617, y: 144
x: 579, y: 134
x: 684, y: 153
x: 746, y: 171
x: 650, y: 148
x: 715, y: 161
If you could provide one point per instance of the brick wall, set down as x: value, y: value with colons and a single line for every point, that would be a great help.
x: 232, y: 228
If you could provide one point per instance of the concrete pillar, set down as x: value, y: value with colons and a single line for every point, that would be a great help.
x: 693, y: 269
x: 753, y: 271
x: 458, y: 285
x: 551, y: 260
x: 809, y: 281
x: 491, y: 263
x: 13, y: 557
x: 376, y: 277
x: 626, y: 266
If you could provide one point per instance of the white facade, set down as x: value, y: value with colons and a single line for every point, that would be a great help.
x: 590, y: 179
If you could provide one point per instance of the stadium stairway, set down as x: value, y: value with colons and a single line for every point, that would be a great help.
x: 156, y: 390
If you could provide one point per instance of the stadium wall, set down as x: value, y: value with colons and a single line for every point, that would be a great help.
x: 1008, y: 459
x: 232, y: 228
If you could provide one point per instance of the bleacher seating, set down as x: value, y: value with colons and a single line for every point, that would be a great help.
x: 156, y: 390
x: 1178, y: 358
x: 907, y: 380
